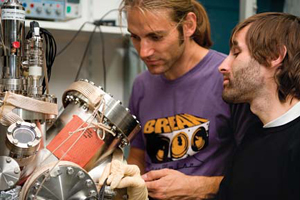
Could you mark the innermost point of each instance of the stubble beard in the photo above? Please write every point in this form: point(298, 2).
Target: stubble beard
point(244, 86)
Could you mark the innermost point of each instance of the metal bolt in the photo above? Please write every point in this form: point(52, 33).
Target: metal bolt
point(119, 135)
point(92, 83)
point(8, 160)
point(15, 141)
point(125, 143)
point(37, 186)
point(92, 193)
point(76, 101)
point(18, 123)
point(38, 136)
point(88, 183)
point(47, 178)
point(17, 170)
point(10, 183)
point(70, 170)
point(127, 109)
point(85, 107)
point(80, 175)
point(29, 144)
point(9, 131)
point(33, 125)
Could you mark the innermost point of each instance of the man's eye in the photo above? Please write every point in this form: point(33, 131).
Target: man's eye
point(134, 37)
point(156, 37)
point(235, 54)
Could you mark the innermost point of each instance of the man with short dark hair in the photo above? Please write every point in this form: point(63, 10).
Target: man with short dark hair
point(263, 69)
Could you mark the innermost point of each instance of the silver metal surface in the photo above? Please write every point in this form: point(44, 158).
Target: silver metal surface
point(13, 30)
point(9, 172)
point(122, 123)
point(65, 182)
point(23, 140)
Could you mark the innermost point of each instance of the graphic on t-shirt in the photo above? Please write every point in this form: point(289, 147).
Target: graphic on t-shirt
point(176, 137)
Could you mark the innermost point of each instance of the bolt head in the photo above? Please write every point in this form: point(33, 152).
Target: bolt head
point(92, 193)
point(80, 175)
point(10, 183)
point(33, 125)
point(29, 144)
point(17, 170)
point(70, 170)
point(88, 183)
point(15, 141)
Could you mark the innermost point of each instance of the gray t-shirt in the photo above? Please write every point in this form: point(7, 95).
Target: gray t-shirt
point(185, 123)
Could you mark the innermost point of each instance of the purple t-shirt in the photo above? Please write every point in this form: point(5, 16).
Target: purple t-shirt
point(185, 123)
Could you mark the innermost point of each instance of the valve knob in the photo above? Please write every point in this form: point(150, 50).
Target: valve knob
point(16, 44)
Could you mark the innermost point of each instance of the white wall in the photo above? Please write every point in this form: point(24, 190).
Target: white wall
point(95, 9)
point(66, 65)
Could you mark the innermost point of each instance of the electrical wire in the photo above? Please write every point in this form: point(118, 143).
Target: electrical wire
point(50, 53)
point(74, 37)
point(103, 58)
point(98, 23)
point(101, 194)
point(84, 54)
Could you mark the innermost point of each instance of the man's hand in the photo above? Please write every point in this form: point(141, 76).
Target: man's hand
point(172, 184)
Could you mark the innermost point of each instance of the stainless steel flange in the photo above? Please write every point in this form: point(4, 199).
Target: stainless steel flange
point(9, 173)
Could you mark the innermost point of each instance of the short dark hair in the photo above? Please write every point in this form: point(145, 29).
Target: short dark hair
point(267, 38)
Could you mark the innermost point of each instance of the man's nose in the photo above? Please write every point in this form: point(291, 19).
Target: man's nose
point(146, 49)
point(225, 66)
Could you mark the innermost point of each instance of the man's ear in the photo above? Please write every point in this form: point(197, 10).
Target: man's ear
point(189, 24)
point(277, 62)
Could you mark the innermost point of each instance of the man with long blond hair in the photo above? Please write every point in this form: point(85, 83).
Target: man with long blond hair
point(188, 132)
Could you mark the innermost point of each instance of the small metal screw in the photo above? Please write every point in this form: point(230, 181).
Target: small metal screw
point(32, 125)
point(80, 175)
point(17, 170)
point(92, 193)
point(29, 144)
point(9, 132)
point(10, 183)
point(15, 141)
point(38, 136)
point(8, 160)
point(88, 183)
point(37, 186)
point(70, 170)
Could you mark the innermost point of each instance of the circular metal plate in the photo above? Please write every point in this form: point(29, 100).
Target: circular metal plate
point(9, 172)
point(66, 181)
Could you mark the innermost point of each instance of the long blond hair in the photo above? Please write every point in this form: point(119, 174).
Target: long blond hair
point(179, 10)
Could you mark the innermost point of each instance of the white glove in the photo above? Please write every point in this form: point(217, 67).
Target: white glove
point(121, 175)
